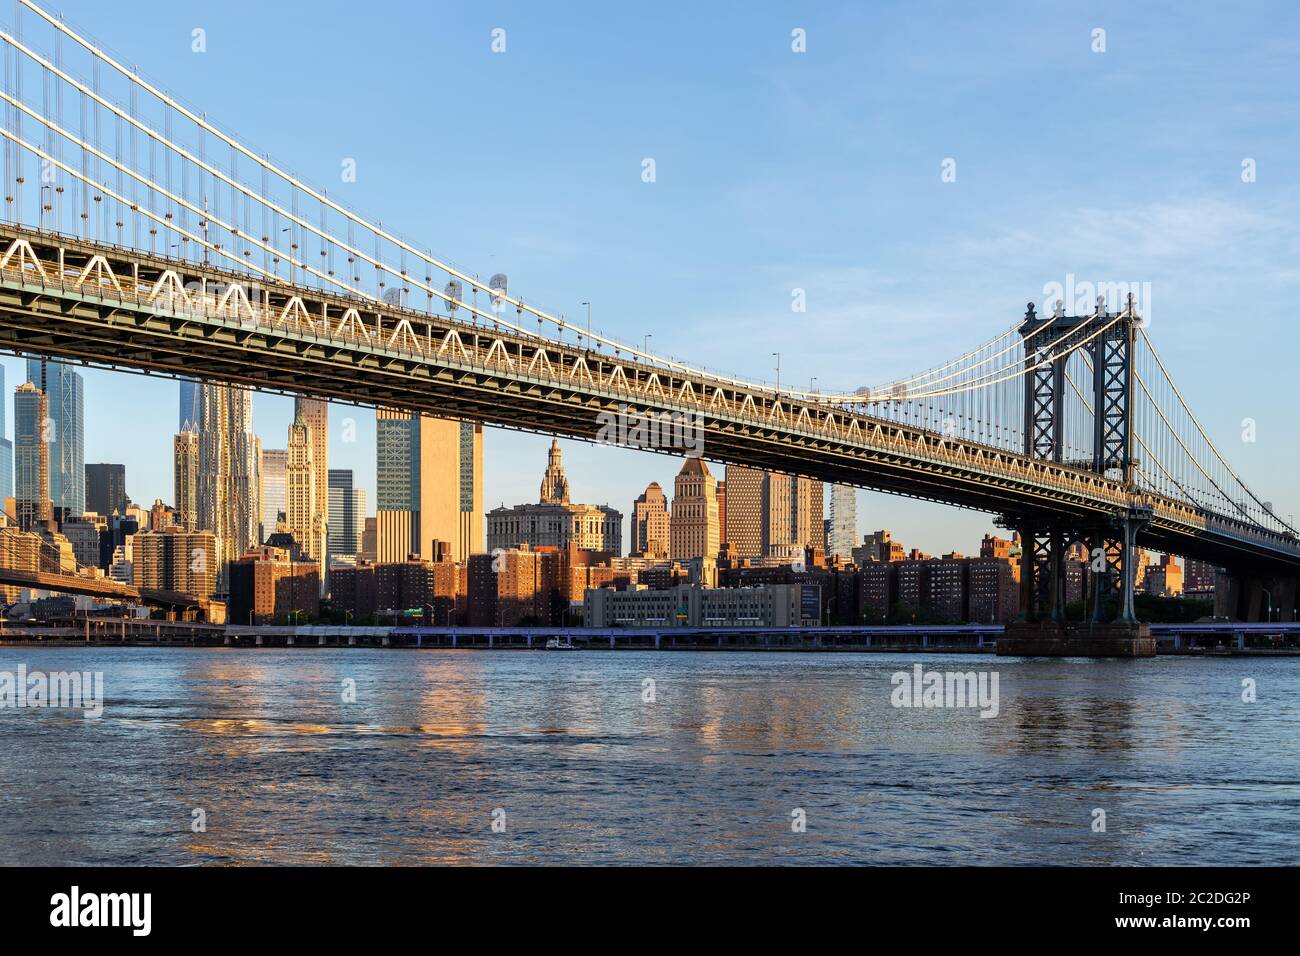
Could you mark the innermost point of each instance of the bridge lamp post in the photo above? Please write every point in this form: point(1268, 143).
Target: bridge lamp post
point(588, 305)
point(778, 372)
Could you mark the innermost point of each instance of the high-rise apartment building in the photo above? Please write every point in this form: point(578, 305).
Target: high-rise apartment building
point(304, 515)
point(651, 525)
point(693, 527)
point(773, 515)
point(106, 489)
point(31, 457)
point(347, 512)
point(429, 477)
point(176, 560)
point(745, 494)
point(229, 484)
point(268, 586)
point(843, 521)
point(65, 433)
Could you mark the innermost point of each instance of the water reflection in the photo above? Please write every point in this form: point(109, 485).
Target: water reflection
point(286, 769)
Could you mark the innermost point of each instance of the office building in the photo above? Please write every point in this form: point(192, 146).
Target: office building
point(229, 484)
point(65, 432)
point(777, 605)
point(429, 477)
point(190, 405)
point(31, 458)
point(304, 514)
point(651, 524)
point(314, 413)
point(693, 527)
point(369, 540)
point(275, 501)
point(555, 521)
point(347, 512)
point(106, 489)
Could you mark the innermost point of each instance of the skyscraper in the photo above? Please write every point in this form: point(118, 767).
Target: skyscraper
point(773, 515)
point(314, 413)
point(64, 394)
point(229, 486)
point(745, 492)
point(347, 512)
point(31, 457)
point(844, 521)
point(274, 472)
point(651, 526)
point(185, 479)
point(304, 517)
point(190, 405)
point(106, 488)
point(429, 477)
point(694, 523)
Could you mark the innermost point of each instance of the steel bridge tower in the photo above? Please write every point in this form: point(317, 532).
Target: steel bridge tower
point(1108, 343)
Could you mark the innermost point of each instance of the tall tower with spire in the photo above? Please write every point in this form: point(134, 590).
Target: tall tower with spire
point(555, 487)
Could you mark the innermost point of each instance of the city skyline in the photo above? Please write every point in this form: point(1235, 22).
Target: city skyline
point(1175, 212)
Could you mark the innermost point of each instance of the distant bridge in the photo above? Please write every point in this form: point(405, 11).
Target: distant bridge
point(105, 588)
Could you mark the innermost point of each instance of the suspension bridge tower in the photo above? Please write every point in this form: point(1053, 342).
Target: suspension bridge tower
point(1105, 344)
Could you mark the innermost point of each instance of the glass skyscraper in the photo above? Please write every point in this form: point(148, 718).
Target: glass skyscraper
point(275, 500)
point(347, 507)
point(189, 408)
point(63, 389)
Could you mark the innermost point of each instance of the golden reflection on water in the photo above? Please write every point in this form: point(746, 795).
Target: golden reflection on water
point(288, 772)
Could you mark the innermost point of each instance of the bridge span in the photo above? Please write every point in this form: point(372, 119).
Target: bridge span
point(156, 257)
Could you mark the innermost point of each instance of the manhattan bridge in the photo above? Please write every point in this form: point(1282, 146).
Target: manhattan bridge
point(139, 235)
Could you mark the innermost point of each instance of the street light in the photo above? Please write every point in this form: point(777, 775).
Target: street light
point(588, 305)
point(778, 372)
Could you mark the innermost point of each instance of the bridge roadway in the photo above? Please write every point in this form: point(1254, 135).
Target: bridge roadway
point(102, 588)
point(99, 304)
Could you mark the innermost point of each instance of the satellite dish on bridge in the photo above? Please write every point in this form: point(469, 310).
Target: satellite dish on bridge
point(497, 285)
point(453, 292)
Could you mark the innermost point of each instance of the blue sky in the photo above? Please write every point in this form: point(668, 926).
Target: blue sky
point(777, 170)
